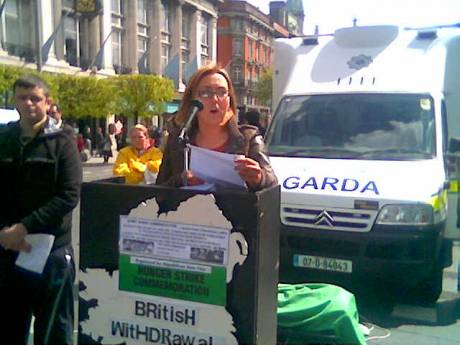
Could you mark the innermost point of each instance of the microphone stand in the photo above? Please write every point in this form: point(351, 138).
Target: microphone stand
point(196, 106)
point(185, 141)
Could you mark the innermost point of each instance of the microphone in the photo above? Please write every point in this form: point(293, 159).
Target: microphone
point(195, 107)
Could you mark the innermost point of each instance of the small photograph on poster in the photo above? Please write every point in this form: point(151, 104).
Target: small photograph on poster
point(207, 255)
point(137, 246)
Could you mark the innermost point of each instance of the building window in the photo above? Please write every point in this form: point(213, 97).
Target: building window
point(116, 47)
point(118, 34)
point(71, 47)
point(205, 27)
point(237, 76)
point(142, 12)
point(141, 47)
point(250, 49)
point(116, 7)
point(186, 24)
point(165, 34)
point(165, 52)
point(237, 47)
point(12, 28)
point(142, 35)
point(237, 24)
point(185, 41)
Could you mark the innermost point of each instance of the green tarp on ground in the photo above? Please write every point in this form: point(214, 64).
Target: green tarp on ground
point(317, 314)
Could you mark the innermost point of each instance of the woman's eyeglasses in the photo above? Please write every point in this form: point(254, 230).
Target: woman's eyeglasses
point(208, 93)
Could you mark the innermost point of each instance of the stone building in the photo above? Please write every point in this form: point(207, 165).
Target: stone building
point(245, 41)
point(107, 37)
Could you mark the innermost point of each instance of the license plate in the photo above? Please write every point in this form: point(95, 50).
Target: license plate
point(322, 263)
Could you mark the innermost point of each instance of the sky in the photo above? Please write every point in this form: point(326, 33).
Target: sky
point(332, 14)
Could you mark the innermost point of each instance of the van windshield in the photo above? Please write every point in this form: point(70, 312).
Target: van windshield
point(354, 126)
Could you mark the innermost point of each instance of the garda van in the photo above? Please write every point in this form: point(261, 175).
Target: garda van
point(359, 142)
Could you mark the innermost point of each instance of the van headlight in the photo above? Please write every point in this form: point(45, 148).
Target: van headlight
point(406, 214)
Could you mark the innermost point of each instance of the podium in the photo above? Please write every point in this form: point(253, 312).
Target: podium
point(163, 265)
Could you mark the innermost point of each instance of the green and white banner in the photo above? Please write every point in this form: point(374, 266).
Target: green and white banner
point(174, 260)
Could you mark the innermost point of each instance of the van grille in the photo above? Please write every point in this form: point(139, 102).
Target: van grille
point(328, 218)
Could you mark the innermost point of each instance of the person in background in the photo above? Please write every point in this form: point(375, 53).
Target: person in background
point(80, 142)
point(109, 144)
point(139, 158)
point(155, 136)
point(167, 127)
point(252, 117)
point(87, 136)
point(215, 128)
point(56, 113)
point(99, 141)
point(40, 178)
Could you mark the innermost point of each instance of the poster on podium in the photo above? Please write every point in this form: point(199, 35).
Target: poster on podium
point(181, 276)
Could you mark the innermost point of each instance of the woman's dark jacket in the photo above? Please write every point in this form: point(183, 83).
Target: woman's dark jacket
point(40, 181)
point(243, 140)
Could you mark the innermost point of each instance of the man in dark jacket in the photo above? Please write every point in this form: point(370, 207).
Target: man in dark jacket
point(40, 179)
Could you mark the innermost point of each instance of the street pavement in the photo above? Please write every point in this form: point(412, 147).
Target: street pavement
point(389, 322)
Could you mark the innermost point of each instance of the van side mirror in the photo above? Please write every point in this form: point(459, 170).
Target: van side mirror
point(454, 145)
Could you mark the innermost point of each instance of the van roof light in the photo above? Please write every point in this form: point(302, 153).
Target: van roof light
point(310, 41)
point(427, 34)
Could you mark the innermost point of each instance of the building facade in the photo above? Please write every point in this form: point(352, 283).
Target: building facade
point(245, 41)
point(106, 37)
point(289, 14)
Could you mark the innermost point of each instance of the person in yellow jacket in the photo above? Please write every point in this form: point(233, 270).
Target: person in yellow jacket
point(138, 159)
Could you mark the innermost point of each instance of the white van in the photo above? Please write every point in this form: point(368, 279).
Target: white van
point(359, 143)
point(8, 115)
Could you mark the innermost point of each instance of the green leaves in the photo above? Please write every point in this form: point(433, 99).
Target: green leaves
point(86, 96)
point(141, 95)
point(136, 95)
point(264, 87)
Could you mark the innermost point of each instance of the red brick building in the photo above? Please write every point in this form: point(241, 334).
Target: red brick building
point(244, 46)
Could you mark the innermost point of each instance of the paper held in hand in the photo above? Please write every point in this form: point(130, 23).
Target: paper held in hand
point(36, 259)
point(215, 167)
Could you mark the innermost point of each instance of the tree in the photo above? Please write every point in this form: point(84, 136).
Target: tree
point(136, 95)
point(264, 87)
point(141, 95)
point(9, 74)
point(7, 77)
point(86, 96)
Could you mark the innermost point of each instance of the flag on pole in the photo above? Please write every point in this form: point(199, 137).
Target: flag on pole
point(49, 42)
point(2, 7)
point(99, 57)
point(190, 68)
point(142, 63)
point(172, 69)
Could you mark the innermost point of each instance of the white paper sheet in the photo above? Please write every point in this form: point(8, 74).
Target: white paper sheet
point(35, 260)
point(215, 167)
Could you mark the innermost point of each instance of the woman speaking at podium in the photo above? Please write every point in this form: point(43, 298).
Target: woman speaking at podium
point(207, 119)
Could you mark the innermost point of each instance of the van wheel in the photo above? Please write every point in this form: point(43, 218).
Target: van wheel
point(428, 291)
